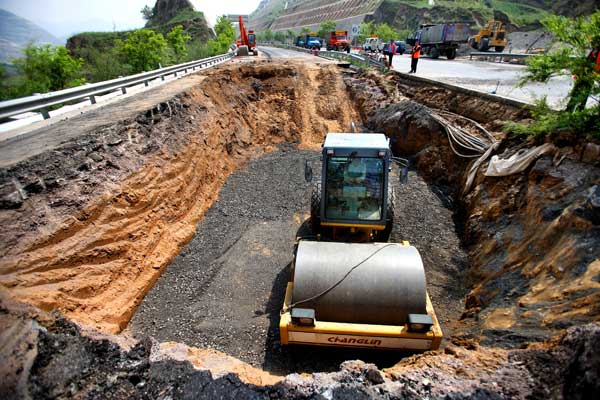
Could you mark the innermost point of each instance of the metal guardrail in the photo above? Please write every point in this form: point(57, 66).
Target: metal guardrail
point(42, 102)
point(495, 55)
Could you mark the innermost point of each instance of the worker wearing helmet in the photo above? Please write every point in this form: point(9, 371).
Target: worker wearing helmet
point(414, 57)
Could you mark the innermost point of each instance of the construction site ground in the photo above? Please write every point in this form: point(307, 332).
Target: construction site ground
point(146, 245)
point(225, 290)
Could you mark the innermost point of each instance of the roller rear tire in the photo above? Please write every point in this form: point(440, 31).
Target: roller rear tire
point(315, 209)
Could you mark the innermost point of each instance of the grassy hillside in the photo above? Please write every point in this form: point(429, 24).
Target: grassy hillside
point(408, 14)
point(518, 14)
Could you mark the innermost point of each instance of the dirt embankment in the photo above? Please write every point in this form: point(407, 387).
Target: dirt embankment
point(45, 356)
point(533, 238)
point(110, 210)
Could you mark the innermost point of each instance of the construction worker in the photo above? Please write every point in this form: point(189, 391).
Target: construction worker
point(414, 57)
point(391, 50)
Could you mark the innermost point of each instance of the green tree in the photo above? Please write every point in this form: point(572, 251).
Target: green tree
point(385, 32)
point(571, 58)
point(267, 35)
point(367, 29)
point(305, 30)
point(102, 65)
point(46, 68)
point(225, 36)
point(327, 26)
point(143, 49)
point(177, 41)
point(279, 37)
point(290, 34)
point(147, 12)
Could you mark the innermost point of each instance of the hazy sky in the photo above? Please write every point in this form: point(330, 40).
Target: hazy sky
point(65, 17)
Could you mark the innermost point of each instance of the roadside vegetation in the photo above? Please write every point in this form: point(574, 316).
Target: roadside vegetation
point(108, 55)
point(575, 57)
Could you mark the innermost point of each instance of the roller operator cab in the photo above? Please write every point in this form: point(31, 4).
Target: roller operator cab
point(352, 201)
point(349, 287)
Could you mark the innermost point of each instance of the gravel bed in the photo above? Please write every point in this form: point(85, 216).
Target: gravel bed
point(226, 288)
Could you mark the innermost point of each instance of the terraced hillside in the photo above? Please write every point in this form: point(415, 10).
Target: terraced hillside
point(279, 15)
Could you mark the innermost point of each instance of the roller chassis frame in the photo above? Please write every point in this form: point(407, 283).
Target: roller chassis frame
point(340, 334)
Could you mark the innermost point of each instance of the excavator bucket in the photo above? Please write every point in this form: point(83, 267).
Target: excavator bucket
point(243, 51)
point(369, 295)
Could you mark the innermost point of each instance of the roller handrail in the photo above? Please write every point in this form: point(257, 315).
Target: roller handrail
point(43, 101)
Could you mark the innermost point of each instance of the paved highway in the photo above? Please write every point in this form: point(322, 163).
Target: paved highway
point(275, 52)
point(487, 77)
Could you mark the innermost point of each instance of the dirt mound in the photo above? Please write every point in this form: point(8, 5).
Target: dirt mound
point(100, 262)
point(45, 356)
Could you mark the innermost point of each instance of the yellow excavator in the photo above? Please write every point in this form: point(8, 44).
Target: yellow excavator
point(349, 286)
point(491, 35)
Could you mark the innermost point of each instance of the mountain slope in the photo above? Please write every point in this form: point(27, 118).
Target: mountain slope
point(16, 33)
point(408, 14)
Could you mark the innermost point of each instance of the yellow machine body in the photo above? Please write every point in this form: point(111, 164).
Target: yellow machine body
point(350, 287)
point(343, 334)
point(491, 35)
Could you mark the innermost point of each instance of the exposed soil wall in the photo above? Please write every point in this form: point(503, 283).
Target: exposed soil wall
point(159, 172)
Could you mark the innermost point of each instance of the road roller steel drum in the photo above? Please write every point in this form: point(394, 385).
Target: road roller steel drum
point(384, 289)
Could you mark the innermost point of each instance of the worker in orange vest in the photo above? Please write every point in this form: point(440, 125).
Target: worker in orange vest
point(414, 57)
point(391, 48)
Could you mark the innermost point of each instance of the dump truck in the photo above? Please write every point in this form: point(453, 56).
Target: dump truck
point(491, 35)
point(337, 40)
point(349, 286)
point(311, 41)
point(246, 43)
point(440, 39)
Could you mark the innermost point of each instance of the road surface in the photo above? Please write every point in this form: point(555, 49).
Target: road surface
point(487, 77)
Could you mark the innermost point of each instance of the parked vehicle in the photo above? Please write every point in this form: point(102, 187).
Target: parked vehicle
point(337, 40)
point(371, 44)
point(374, 44)
point(400, 47)
point(440, 39)
point(312, 41)
point(299, 41)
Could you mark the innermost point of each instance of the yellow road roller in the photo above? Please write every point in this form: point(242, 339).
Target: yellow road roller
point(349, 286)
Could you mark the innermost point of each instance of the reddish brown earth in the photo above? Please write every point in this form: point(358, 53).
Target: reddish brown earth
point(97, 264)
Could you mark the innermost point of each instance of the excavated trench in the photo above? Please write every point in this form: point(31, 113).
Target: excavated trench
point(179, 224)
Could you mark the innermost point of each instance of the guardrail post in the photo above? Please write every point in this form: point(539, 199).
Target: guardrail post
point(146, 83)
point(162, 78)
point(124, 90)
point(45, 113)
point(175, 73)
point(93, 99)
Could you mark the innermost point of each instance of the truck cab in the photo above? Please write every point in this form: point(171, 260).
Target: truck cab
point(312, 41)
point(337, 40)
